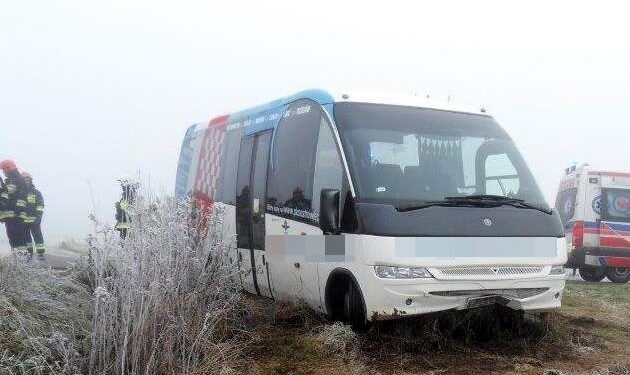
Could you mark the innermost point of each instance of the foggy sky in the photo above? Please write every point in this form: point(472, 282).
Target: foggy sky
point(92, 90)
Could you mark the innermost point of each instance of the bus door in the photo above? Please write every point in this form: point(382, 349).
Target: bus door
point(251, 186)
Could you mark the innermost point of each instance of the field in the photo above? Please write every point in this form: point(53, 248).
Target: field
point(44, 329)
point(590, 335)
point(165, 301)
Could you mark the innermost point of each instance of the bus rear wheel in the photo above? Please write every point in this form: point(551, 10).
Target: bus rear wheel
point(618, 275)
point(593, 274)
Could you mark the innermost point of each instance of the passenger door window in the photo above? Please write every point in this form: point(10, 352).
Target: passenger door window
point(243, 194)
point(259, 182)
point(501, 177)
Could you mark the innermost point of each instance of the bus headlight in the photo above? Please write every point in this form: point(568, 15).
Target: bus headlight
point(391, 272)
point(557, 270)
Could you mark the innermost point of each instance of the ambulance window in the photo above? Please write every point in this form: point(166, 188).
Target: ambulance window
point(617, 202)
point(501, 176)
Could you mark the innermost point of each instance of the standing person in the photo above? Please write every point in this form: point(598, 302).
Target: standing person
point(14, 212)
point(34, 213)
point(129, 189)
point(3, 201)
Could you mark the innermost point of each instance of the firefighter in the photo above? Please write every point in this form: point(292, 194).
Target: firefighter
point(14, 211)
point(34, 213)
point(3, 201)
point(129, 189)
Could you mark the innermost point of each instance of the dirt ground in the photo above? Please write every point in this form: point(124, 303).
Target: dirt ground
point(589, 335)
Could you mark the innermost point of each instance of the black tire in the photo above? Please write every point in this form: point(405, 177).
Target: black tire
point(593, 274)
point(618, 275)
point(353, 310)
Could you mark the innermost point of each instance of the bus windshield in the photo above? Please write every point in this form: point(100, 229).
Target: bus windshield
point(405, 155)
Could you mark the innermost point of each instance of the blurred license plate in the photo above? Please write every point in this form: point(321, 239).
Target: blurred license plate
point(483, 301)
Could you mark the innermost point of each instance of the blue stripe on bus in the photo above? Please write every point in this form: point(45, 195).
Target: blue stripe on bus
point(320, 96)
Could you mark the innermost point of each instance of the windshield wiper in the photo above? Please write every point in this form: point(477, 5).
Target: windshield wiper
point(475, 201)
point(500, 200)
point(447, 203)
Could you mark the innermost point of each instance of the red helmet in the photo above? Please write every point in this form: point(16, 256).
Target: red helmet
point(26, 175)
point(7, 165)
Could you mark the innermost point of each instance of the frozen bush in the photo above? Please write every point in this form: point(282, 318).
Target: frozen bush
point(166, 300)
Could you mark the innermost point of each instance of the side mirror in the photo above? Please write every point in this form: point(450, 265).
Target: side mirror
point(329, 211)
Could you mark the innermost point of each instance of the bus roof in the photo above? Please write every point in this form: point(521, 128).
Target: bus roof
point(324, 97)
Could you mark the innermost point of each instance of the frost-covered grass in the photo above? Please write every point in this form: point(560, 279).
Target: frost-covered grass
point(163, 301)
point(44, 325)
point(166, 300)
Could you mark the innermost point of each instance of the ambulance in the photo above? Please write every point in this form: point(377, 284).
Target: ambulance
point(594, 206)
point(374, 206)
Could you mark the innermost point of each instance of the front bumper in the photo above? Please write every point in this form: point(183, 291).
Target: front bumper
point(389, 298)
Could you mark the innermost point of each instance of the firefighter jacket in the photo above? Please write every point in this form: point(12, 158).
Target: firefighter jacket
point(13, 198)
point(122, 214)
point(3, 200)
point(34, 204)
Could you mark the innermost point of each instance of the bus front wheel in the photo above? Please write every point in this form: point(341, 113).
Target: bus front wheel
point(353, 310)
point(618, 275)
point(593, 274)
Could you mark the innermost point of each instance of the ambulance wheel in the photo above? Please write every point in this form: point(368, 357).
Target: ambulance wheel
point(353, 310)
point(618, 275)
point(593, 274)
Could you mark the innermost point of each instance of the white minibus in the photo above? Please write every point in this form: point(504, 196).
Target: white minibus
point(370, 207)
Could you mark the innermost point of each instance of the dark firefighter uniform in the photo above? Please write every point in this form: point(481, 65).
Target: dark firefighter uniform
point(14, 210)
point(123, 218)
point(3, 201)
point(33, 216)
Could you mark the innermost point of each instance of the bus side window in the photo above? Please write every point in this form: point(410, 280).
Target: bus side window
point(227, 184)
point(290, 185)
point(328, 169)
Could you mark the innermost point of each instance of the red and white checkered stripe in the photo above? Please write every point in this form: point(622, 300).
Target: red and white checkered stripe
point(209, 165)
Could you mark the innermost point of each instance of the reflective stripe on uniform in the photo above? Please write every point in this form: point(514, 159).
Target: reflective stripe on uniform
point(41, 249)
point(122, 226)
point(7, 214)
point(27, 219)
point(124, 205)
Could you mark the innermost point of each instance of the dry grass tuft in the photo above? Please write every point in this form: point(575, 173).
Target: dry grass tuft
point(338, 339)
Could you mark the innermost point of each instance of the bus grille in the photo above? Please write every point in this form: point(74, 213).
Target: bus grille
point(499, 272)
point(513, 293)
